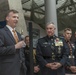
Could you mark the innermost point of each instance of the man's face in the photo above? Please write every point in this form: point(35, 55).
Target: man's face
point(27, 41)
point(75, 34)
point(50, 29)
point(12, 19)
point(67, 35)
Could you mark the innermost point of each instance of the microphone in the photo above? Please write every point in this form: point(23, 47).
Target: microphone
point(23, 38)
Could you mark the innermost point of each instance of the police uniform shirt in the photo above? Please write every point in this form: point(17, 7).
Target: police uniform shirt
point(71, 61)
point(51, 49)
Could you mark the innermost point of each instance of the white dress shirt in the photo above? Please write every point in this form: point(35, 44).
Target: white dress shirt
point(11, 29)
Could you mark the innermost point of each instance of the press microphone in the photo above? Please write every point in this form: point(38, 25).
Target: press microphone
point(23, 38)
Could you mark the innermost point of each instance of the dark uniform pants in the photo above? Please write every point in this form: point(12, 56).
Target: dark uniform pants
point(47, 71)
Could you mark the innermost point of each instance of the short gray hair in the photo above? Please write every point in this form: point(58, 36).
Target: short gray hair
point(49, 24)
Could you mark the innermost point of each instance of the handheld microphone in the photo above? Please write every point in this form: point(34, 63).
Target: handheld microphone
point(23, 38)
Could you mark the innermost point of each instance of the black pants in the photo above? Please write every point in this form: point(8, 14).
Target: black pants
point(23, 69)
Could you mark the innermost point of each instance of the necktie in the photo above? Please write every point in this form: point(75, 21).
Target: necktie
point(71, 54)
point(70, 48)
point(15, 36)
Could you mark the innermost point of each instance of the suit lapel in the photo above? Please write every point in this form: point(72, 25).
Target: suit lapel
point(9, 34)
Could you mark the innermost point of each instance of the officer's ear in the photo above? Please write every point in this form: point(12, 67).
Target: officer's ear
point(7, 18)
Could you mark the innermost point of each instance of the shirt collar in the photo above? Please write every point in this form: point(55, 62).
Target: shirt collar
point(51, 37)
point(10, 28)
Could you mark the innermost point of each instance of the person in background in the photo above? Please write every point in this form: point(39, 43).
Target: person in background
point(71, 61)
point(27, 55)
point(74, 37)
point(51, 53)
point(12, 61)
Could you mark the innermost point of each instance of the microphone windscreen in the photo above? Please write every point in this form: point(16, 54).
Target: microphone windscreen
point(22, 37)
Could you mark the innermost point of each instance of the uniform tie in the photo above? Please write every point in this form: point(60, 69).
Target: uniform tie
point(71, 53)
point(70, 48)
point(15, 36)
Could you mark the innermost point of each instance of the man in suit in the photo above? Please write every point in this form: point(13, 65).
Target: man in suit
point(12, 61)
point(51, 53)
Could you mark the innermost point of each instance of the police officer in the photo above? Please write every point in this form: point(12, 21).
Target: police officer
point(51, 53)
point(27, 55)
point(71, 62)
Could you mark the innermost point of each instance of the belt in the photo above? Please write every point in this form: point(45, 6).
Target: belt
point(47, 57)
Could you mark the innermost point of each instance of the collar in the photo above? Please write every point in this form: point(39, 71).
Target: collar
point(10, 28)
point(51, 37)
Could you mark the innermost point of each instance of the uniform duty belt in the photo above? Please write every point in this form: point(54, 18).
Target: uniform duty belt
point(47, 57)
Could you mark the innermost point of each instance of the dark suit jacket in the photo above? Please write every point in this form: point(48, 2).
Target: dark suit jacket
point(10, 58)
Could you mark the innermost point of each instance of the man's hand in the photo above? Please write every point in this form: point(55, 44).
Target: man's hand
point(49, 65)
point(56, 65)
point(20, 45)
point(36, 69)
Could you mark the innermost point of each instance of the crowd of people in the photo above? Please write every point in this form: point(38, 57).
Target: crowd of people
point(54, 55)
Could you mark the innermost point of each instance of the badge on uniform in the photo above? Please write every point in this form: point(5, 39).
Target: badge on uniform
point(58, 42)
point(53, 56)
point(45, 44)
point(59, 49)
point(71, 56)
point(52, 46)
